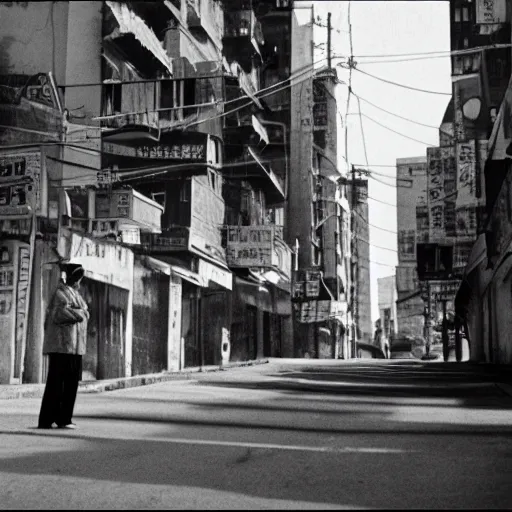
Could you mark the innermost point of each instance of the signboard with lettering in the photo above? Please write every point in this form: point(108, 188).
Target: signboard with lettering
point(250, 246)
point(131, 207)
point(459, 130)
point(22, 304)
point(466, 173)
point(491, 11)
point(306, 284)
point(171, 239)
point(320, 311)
point(435, 193)
point(20, 183)
point(181, 151)
point(407, 245)
point(103, 261)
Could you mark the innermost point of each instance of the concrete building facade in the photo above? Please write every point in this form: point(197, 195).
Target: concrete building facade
point(412, 228)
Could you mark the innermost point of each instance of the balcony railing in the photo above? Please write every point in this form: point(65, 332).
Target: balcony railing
point(258, 247)
point(160, 104)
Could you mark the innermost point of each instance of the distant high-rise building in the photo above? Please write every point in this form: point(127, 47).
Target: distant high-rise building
point(412, 227)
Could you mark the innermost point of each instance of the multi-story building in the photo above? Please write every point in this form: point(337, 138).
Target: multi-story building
point(483, 299)
point(412, 227)
point(457, 196)
point(160, 152)
point(256, 169)
point(51, 160)
point(387, 300)
point(314, 205)
point(360, 287)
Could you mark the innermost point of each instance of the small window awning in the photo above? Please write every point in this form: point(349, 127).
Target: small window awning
point(130, 23)
point(167, 269)
point(254, 167)
point(189, 276)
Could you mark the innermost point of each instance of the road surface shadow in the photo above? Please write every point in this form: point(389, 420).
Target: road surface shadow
point(397, 479)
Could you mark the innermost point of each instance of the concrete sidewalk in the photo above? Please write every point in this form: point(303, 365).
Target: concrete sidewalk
point(13, 391)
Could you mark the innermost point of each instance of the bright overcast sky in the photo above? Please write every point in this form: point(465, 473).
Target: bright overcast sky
point(387, 28)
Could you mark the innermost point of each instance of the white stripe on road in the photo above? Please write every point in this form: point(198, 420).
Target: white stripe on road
point(270, 446)
point(234, 444)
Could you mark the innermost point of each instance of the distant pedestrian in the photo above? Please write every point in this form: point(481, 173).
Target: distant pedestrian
point(65, 342)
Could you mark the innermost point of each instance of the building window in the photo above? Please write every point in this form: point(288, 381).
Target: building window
point(244, 28)
point(159, 197)
point(175, 94)
point(465, 14)
point(457, 15)
point(185, 192)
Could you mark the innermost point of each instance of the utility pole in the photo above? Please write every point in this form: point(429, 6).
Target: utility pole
point(329, 40)
point(444, 335)
point(427, 320)
point(354, 261)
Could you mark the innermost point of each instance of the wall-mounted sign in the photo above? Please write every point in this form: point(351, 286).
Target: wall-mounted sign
point(22, 297)
point(320, 311)
point(491, 11)
point(441, 172)
point(20, 183)
point(407, 245)
point(466, 173)
point(250, 246)
point(306, 284)
point(182, 151)
point(174, 239)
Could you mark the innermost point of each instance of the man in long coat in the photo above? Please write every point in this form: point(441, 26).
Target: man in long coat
point(65, 343)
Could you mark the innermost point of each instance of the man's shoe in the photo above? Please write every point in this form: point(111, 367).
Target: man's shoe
point(69, 426)
point(46, 427)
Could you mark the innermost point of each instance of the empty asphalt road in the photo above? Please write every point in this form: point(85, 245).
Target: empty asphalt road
point(286, 435)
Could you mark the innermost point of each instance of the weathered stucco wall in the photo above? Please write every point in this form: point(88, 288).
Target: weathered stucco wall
point(301, 138)
point(33, 38)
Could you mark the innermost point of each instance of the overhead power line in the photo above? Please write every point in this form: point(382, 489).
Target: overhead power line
point(397, 84)
point(397, 132)
point(374, 226)
point(377, 246)
point(396, 115)
point(464, 51)
point(377, 262)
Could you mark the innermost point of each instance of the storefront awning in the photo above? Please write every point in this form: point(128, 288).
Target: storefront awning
point(189, 276)
point(166, 268)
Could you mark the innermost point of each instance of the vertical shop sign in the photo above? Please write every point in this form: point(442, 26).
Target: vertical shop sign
point(435, 193)
point(466, 173)
point(174, 355)
point(21, 305)
point(458, 124)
